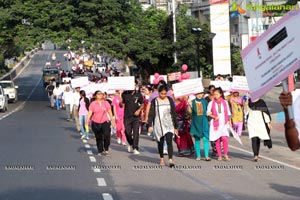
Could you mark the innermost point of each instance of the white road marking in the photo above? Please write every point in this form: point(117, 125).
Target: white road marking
point(107, 196)
point(92, 159)
point(89, 152)
point(97, 170)
point(87, 146)
point(266, 158)
point(101, 182)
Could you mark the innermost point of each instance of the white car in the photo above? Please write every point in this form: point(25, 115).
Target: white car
point(3, 100)
point(10, 90)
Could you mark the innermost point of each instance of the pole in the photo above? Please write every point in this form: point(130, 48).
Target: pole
point(174, 29)
point(286, 89)
point(198, 53)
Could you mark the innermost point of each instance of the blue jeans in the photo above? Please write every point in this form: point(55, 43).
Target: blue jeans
point(82, 120)
point(58, 103)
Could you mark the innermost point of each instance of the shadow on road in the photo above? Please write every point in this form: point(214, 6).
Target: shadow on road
point(292, 191)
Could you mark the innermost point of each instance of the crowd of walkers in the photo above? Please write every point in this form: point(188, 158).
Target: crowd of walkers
point(153, 110)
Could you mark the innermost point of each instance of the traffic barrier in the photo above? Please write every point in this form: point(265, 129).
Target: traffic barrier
point(19, 66)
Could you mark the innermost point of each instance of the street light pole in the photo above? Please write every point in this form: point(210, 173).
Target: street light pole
point(198, 53)
point(197, 31)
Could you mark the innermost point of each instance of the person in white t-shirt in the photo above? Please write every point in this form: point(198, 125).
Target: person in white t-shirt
point(67, 102)
point(292, 127)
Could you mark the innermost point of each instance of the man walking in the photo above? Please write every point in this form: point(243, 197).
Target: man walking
point(133, 102)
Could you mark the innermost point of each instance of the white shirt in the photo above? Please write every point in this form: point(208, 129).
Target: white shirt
point(223, 127)
point(68, 97)
point(57, 91)
point(296, 109)
point(76, 97)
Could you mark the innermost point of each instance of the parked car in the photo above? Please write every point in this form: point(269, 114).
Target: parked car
point(10, 90)
point(3, 100)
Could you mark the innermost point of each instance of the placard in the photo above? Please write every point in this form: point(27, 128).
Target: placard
point(79, 82)
point(121, 83)
point(225, 85)
point(165, 77)
point(67, 79)
point(187, 87)
point(174, 76)
point(239, 84)
point(273, 56)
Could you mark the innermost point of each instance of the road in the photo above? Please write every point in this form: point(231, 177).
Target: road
point(43, 158)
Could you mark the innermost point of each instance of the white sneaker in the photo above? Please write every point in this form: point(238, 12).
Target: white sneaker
point(165, 152)
point(136, 152)
point(119, 141)
point(149, 134)
point(82, 137)
point(129, 148)
point(124, 144)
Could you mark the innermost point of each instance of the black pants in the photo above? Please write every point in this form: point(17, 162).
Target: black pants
point(255, 145)
point(169, 138)
point(102, 134)
point(132, 126)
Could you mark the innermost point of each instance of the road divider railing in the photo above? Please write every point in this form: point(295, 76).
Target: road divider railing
point(19, 66)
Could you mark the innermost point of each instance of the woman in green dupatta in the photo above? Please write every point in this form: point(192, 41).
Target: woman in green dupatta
point(199, 125)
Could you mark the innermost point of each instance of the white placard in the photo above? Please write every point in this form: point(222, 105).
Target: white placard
point(187, 87)
point(165, 78)
point(273, 56)
point(93, 87)
point(67, 79)
point(239, 84)
point(121, 83)
point(79, 82)
point(225, 85)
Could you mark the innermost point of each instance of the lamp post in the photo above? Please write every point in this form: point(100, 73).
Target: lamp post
point(198, 31)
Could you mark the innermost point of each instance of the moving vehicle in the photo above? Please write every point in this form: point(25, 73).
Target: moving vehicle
point(3, 101)
point(10, 90)
point(50, 74)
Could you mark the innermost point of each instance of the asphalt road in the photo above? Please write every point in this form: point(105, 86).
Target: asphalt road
point(43, 158)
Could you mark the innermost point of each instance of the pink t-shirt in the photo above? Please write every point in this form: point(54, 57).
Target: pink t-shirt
point(119, 110)
point(82, 108)
point(100, 111)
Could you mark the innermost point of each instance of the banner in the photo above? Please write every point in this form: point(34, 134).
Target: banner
point(225, 85)
point(79, 82)
point(239, 84)
point(219, 25)
point(121, 83)
point(174, 76)
point(273, 56)
point(187, 87)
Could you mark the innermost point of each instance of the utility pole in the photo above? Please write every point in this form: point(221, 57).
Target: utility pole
point(174, 29)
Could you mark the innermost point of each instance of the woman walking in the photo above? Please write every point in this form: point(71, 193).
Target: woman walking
point(101, 119)
point(199, 125)
point(184, 142)
point(259, 124)
point(119, 117)
point(236, 103)
point(83, 110)
point(162, 116)
point(219, 111)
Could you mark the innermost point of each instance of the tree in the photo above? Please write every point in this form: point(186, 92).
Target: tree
point(236, 61)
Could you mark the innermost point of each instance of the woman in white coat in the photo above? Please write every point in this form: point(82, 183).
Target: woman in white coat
point(259, 124)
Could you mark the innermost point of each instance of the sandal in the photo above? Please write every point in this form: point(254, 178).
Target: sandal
point(171, 164)
point(220, 159)
point(162, 162)
point(226, 158)
point(207, 159)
